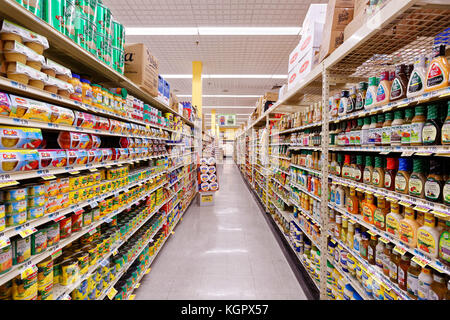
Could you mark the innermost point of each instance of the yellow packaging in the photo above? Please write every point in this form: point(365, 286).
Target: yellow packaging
point(45, 272)
point(6, 291)
point(2, 217)
point(69, 272)
point(45, 292)
point(25, 289)
point(74, 182)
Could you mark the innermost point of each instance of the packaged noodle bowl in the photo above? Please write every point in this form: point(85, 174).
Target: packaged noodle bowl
point(25, 289)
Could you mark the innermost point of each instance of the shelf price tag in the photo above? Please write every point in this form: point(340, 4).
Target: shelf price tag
point(384, 240)
point(400, 250)
point(407, 153)
point(48, 176)
point(107, 166)
point(8, 183)
point(421, 262)
point(148, 270)
point(93, 169)
point(4, 242)
point(112, 293)
point(114, 252)
point(132, 297)
point(137, 285)
point(74, 172)
point(440, 214)
point(93, 204)
point(56, 254)
point(422, 209)
point(405, 204)
point(26, 232)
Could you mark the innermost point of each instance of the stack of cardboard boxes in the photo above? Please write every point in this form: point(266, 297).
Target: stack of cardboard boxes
point(264, 103)
point(304, 57)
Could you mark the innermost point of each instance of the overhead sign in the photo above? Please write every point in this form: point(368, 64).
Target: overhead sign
point(226, 120)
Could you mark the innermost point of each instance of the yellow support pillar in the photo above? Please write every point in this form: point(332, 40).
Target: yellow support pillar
point(197, 67)
point(213, 121)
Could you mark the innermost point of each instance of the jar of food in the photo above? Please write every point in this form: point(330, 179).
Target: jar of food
point(97, 96)
point(86, 91)
point(77, 90)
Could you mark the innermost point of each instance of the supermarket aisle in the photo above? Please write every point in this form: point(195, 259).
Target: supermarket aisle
point(222, 252)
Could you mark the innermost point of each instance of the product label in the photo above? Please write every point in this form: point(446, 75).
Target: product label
point(444, 246)
point(376, 178)
point(401, 277)
point(400, 183)
point(406, 134)
point(432, 295)
point(416, 132)
point(357, 138)
point(396, 135)
point(393, 271)
point(364, 136)
point(415, 83)
point(369, 99)
point(446, 133)
point(379, 219)
point(379, 259)
point(396, 89)
point(332, 196)
point(356, 245)
point(429, 134)
point(406, 233)
point(367, 214)
point(367, 178)
point(350, 206)
point(432, 189)
point(386, 136)
point(346, 172)
point(370, 253)
point(392, 225)
point(423, 289)
point(363, 251)
point(357, 174)
point(338, 198)
point(5, 256)
point(338, 171)
point(435, 75)
point(377, 135)
point(387, 180)
point(415, 186)
point(446, 193)
point(426, 242)
point(381, 93)
point(412, 281)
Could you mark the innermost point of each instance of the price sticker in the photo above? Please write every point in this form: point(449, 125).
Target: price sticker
point(391, 199)
point(405, 204)
point(114, 252)
point(384, 240)
point(407, 153)
point(119, 164)
point(59, 217)
point(8, 183)
point(424, 154)
point(4, 242)
point(440, 214)
point(137, 285)
point(74, 172)
point(108, 166)
point(422, 209)
point(112, 293)
point(421, 262)
point(27, 232)
point(371, 233)
point(132, 297)
point(78, 212)
point(148, 270)
point(400, 250)
point(93, 170)
point(92, 231)
point(444, 95)
point(66, 297)
point(5, 177)
point(28, 271)
point(48, 177)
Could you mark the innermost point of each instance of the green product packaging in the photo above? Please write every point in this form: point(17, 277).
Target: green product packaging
point(91, 31)
point(118, 59)
point(100, 18)
point(34, 6)
point(53, 14)
point(81, 31)
point(69, 18)
point(118, 35)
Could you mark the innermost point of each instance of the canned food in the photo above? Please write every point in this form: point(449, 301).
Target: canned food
point(34, 213)
point(45, 272)
point(36, 201)
point(36, 190)
point(69, 272)
point(15, 219)
point(13, 207)
point(21, 249)
point(77, 222)
point(6, 260)
point(39, 241)
point(53, 234)
point(14, 194)
point(65, 227)
point(45, 292)
point(25, 289)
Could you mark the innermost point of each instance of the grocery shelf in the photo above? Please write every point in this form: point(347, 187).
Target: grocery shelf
point(441, 210)
point(353, 282)
point(279, 183)
point(12, 231)
point(61, 292)
point(21, 175)
point(282, 198)
point(314, 242)
point(434, 263)
point(275, 170)
point(407, 150)
point(300, 147)
point(307, 169)
point(264, 188)
point(300, 128)
point(304, 190)
point(306, 213)
point(374, 271)
point(278, 157)
point(63, 50)
point(285, 214)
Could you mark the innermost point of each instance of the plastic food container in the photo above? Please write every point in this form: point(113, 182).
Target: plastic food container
point(30, 109)
point(14, 194)
point(52, 158)
point(26, 75)
point(18, 160)
point(60, 115)
point(76, 84)
point(35, 189)
point(73, 140)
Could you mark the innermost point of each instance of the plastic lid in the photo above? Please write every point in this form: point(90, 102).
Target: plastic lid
point(439, 50)
point(388, 116)
point(409, 113)
point(378, 162)
point(391, 163)
point(345, 94)
point(367, 119)
point(373, 81)
point(400, 68)
point(419, 111)
point(74, 75)
point(384, 75)
point(418, 165)
point(359, 159)
point(85, 81)
point(369, 161)
point(347, 159)
point(398, 114)
point(362, 85)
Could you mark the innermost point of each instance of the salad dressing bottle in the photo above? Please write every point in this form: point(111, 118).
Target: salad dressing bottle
point(402, 176)
point(378, 173)
point(408, 228)
point(368, 170)
point(399, 84)
point(417, 179)
point(446, 127)
point(369, 208)
point(382, 210)
point(416, 84)
point(431, 132)
point(361, 96)
point(393, 219)
point(435, 183)
point(406, 127)
point(428, 237)
point(438, 71)
point(371, 94)
point(384, 89)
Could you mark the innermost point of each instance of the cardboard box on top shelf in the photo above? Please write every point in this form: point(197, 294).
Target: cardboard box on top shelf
point(141, 67)
point(302, 68)
point(316, 13)
point(359, 17)
point(338, 17)
point(282, 92)
point(271, 96)
point(294, 57)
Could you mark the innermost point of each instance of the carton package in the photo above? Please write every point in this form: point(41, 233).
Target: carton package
point(316, 13)
point(302, 69)
point(282, 92)
point(141, 67)
point(160, 88)
point(360, 16)
point(271, 96)
point(338, 17)
point(294, 57)
point(311, 38)
point(166, 92)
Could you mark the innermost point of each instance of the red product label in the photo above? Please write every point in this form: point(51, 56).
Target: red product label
point(304, 66)
point(294, 58)
point(292, 78)
point(306, 43)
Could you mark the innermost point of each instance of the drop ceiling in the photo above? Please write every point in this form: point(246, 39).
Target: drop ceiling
point(219, 54)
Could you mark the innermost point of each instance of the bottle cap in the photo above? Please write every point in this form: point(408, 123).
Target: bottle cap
point(369, 161)
point(409, 113)
point(359, 159)
point(361, 121)
point(340, 157)
point(373, 81)
point(378, 162)
point(389, 116)
point(439, 50)
point(362, 86)
point(418, 165)
point(373, 119)
point(347, 159)
point(384, 75)
point(404, 164)
point(85, 81)
point(435, 166)
point(345, 94)
point(419, 110)
point(398, 114)
point(391, 164)
point(432, 112)
point(380, 117)
point(400, 69)
point(367, 119)
point(353, 159)
point(74, 75)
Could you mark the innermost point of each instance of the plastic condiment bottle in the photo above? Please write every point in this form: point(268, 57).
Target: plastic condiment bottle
point(408, 228)
point(434, 184)
point(352, 202)
point(417, 124)
point(350, 234)
point(379, 218)
point(361, 95)
point(423, 286)
point(357, 239)
point(384, 89)
point(406, 127)
point(378, 173)
point(438, 71)
point(399, 84)
point(364, 245)
point(431, 131)
point(371, 94)
point(417, 179)
point(340, 196)
point(365, 132)
point(351, 100)
point(87, 91)
point(344, 102)
point(346, 169)
point(340, 159)
point(402, 176)
point(394, 263)
point(379, 129)
point(379, 254)
point(371, 249)
point(368, 170)
point(358, 171)
point(445, 136)
point(390, 173)
point(438, 288)
point(428, 236)
point(357, 132)
point(353, 167)
point(403, 271)
point(372, 130)
point(333, 163)
point(78, 91)
point(396, 130)
point(416, 84)
point(393, 219)
point(444, 245)
point(412, 279)
point(387, 128)
point(387, 259)
point(368, 208)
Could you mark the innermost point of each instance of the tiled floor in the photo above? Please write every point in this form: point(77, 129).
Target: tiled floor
point(222, 252)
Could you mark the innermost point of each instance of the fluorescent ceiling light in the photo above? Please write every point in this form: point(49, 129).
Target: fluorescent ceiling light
point(227, 107)
point(222, 95)
point(214, 31)
point(227, 76)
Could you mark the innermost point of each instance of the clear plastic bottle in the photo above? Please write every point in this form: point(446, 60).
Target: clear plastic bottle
point(416, 83)
point(423, 286)
point(371, 93)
